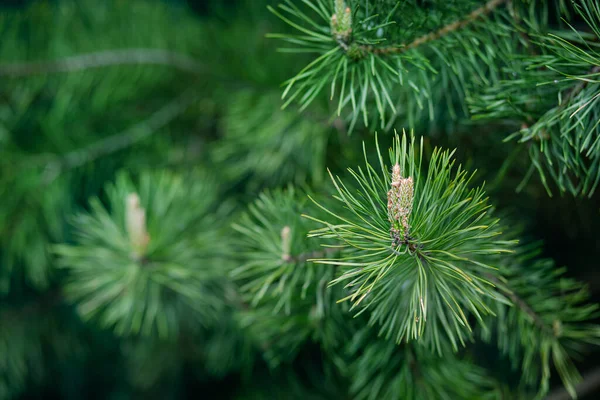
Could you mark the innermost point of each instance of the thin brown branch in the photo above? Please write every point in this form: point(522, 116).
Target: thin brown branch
point(522, 33)
point(521, 304)
point(132, 56)
point(432, 36)
point(590, 383)
point(310, 255)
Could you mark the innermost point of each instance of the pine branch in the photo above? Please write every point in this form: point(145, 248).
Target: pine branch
point(274, 251)
point(159, 259)
point(352, 60)
point(432, 36)
point(552, 99)
point(132, 56)
point(119, 141)
point(549, 323)
point(420, 237)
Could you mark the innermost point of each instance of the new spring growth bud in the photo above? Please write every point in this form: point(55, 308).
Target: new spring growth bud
point(557, 328)
point(286, 243)
point(400, 202)
point(135, 217)
point(341, 21)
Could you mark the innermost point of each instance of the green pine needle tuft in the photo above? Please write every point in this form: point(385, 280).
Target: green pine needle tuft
point(141, 269)
point(424, 285)
point(286, 298)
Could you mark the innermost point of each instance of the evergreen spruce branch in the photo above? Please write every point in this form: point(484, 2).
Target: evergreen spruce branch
point(105, 58)
point(487, 8)
point(432, 258)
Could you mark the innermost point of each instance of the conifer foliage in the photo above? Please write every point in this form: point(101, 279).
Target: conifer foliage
point(260, 199)
point(427, 242)
point(144, 264)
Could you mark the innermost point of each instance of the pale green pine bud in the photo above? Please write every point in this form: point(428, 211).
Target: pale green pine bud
point(346, 20)
point(340, 6)
point(286, 243)
point(136, 226)
point(396, 175)
point(400, 200)
point(406, 190)
point(341, 21)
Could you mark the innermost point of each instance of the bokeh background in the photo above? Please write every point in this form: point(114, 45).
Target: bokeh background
point(66, 131)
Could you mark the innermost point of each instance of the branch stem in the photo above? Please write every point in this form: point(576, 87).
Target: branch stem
point(521, 304)
point(432, 36)
point(302, 257)
point(131, 56)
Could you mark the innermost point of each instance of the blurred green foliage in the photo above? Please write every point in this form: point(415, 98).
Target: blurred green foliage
point(180, 103)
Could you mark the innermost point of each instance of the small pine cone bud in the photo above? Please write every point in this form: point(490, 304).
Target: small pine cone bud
point(392, 201)
point(557, 328)
point(136, 226)
point(341, 21)
point(339, 6)
point(396, 175)
point(400, 199)
point(405, 202)
point(347, 20)
point(286, 243)
point(334, 23)
point(406, 195)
